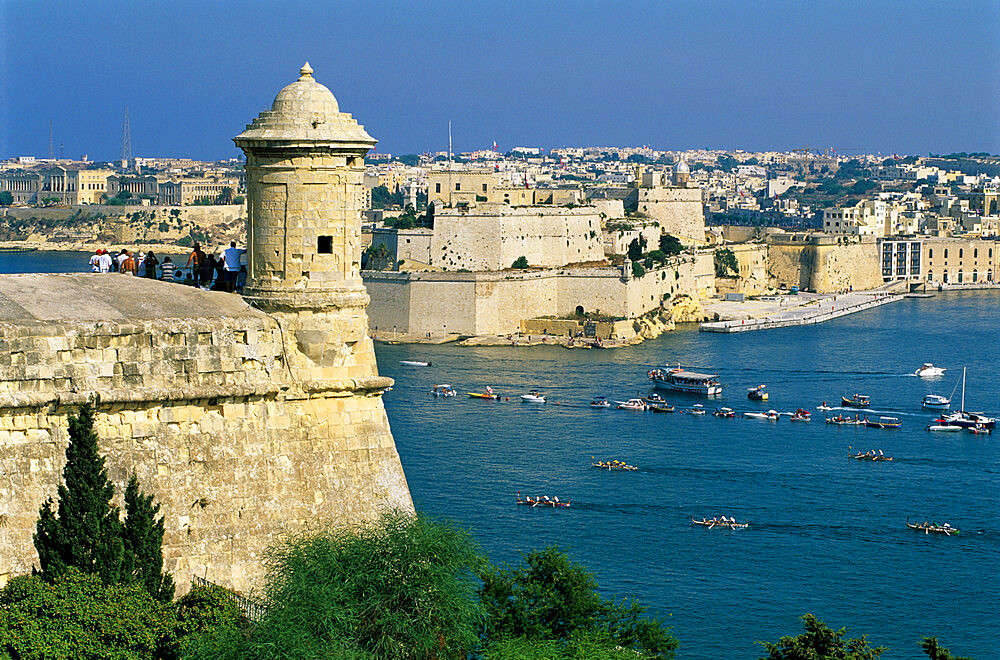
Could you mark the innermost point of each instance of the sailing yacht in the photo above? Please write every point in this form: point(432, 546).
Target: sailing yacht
point(968, 419)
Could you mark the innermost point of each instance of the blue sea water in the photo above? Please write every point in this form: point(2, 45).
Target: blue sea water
point(827, 533)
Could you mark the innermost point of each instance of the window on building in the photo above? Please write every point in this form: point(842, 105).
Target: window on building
point(930, 253)
point(437, 187)
point(458, 186)
point(324, 244)
point(975, 253)
point(946, 253)
point(484, 187)
point(960, 251)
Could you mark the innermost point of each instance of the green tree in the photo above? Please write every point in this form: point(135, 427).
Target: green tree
point(819, 642)
point(402, 587)
point(225, 196)
point(936, 652)
point(408, 159)
point(78, 616)
point(725, 263)
point(549, 597)
point(6, 198)
point(84, 531)
point(638, 270)
point(142, 537)
point(381, 197)
point(581, 645)
point(670, 245)
point(521, 262)
point(636, 248)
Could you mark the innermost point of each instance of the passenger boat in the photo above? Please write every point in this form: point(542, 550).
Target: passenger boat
point(883, 423)
point(720, 521)
point(541, 501)
point(632, 404)
point(928, 370)
point(685, 381)
point(443, 390)
point(661, 408)
point(842, 420)
point(613, 464)
point(534, 396)
point(415, 363)
point(944, 427)
point(870, 456)
point(600, 402)
point(931, 528)
point(696, 409)
point(936, 401)
point(724, 412)
point(757, 393)
point(856, 401)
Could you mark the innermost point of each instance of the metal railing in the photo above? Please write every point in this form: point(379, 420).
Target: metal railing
point(252, 609)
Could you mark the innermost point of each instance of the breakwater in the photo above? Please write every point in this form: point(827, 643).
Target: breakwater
point(824, 310)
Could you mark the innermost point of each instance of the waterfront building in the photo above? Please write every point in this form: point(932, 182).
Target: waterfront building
point(956, 261)
point(901, 259)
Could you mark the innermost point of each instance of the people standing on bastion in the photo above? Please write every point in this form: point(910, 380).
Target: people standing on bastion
point(167, 269)
point(104, 264)
point(151, 263)
point(207, 271)
point(126, 264)
point(231, 258)
point(95, 262)
point(197, 258)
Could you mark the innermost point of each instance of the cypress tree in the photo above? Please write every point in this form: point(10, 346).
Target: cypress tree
point(84, 531)
point(143, 540)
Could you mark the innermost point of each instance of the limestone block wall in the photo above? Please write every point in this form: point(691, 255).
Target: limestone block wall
point(824, 268)
point(239, 449)
point(491, 237)
point(678, 210)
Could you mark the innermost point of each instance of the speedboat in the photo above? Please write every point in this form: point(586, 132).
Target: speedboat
point(600, 402)
point(824, 407)
point(757, 393)
point(534, 396)
point(856, 401)
point(632, 404)
point(928, 370)
point(724, 412)
point(936, 401)
point(770, 414)
point(801, 415)
point(943, 427)
point(443, 390)
point(415, 363)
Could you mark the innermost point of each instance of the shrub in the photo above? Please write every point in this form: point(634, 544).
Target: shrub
point(819, 641)
point(520, 262)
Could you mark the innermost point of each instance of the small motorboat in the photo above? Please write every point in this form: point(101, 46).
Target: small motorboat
point(724, 412)
point(661, 408)
point(541, 501)
point(443, 390)
point(655, 399)
point(720, 521)
point(771, 415)
point(936, 401)
point(928, 370)
point(979, 430)
point(801, 415)
point(856, 401)
point(415, 363)
point(534, 396)
point(883, 423)
point(600, 402)
point(696, 409)
point(823, 407)
point(632, 404)
point(844, 420)
point(932, 528)
point(488, 394)
point(757, 393)
point(945, 428)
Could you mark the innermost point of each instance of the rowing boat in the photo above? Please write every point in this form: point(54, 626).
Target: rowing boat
point(541, 501)
point(613, 465)
point(715, 522)
point(930, 528)
point(870, 457)
point(661, 408)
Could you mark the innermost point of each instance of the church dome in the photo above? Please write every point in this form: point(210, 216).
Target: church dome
point(681, 167)
point(305, 113)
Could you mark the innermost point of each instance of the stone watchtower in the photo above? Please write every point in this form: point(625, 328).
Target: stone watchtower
point(304, 178)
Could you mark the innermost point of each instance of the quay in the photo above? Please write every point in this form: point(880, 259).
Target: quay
point(816, 311)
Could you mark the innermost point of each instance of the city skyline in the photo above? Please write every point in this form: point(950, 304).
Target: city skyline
point(881, 78)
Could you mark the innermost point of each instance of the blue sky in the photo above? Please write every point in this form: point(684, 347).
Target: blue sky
point(903, 77)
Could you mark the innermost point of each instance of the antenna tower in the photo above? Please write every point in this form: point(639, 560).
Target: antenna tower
point(51, 151)
point(126, 142)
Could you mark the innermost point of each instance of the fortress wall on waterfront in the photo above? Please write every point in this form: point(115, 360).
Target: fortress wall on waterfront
point(824, 268)
point(679, 211)
point(235, 446)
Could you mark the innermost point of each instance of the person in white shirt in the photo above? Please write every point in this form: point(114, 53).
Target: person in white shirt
point(232, 256)
point(94, 265)
point(104, 263)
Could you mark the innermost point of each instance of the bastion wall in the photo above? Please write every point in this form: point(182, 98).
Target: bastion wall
point(679, 211)
point(824, 268)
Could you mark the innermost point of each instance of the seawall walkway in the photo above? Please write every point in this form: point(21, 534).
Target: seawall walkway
point(825, 310)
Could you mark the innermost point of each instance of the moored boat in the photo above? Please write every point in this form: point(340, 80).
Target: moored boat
point(654, 399)
point(724, 412)
point(534, 396)
point(443, 390)
point(696, 409)
point(661, 408)
point(632, 404)
point(883, 423)
point(946, 428)
point(757, 393)
point(856, 401)
point(541, 501)
point(600, 402)
point(928, 370)
point(685, 381)
point(936, 401)
point(964, 419)
point(933, 528)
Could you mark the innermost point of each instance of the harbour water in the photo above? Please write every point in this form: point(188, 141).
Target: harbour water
point(827, 534)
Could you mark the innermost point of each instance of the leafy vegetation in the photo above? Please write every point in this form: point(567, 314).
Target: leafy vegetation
point(6, 198)
point(670, 245)
point(726, 264)
point(520, 263)
point(935, 651)
point(819, 642)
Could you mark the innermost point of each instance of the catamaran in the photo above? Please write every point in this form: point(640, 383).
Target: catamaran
point(965, 419)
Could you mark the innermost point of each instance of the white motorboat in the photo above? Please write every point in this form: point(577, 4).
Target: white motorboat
point(696, 409)
point(936, 401)
point(632, 404)
point(685, 381)
point(415, 363)
point(928, 370)
point(534, 396)
point(770, 414)
point(600, 402)
point(443, 390)
point(943, 427)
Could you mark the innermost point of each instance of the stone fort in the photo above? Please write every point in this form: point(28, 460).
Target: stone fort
point(249, 419)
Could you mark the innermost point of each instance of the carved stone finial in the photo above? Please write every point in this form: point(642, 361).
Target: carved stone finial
point(306, 72)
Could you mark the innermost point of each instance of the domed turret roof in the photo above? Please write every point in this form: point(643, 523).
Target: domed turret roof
point(304, 113)
point(681, 166)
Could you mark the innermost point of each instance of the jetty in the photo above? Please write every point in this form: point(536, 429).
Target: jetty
point(817, 311)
